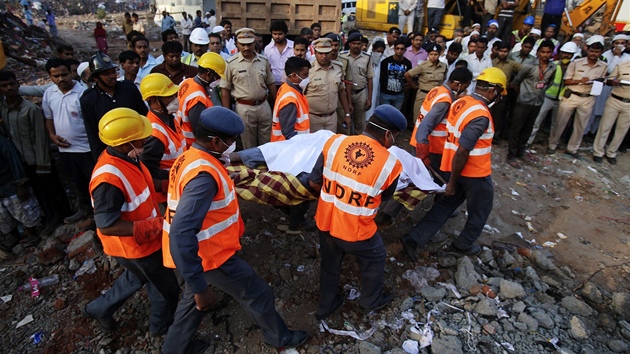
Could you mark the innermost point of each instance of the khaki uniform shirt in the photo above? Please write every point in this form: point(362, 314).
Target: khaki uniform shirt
point(360, 68)
point(323, 87)
point(510, 68)
point(248, 80)
point(579, 68)
point(622, 72)
point(346, 71)
point(429, 75)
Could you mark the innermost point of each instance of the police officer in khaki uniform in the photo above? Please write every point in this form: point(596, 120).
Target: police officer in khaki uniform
point(325, 88)
point(431, 73)
point(248, 78)
point(346, 75)
point(362, 72)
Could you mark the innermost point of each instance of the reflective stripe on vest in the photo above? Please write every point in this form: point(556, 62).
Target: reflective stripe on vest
point(136, 185)
point(287, 95)
point(462, 112)
point(555, 90)
point(173, 142)
point(222, 226)
point(356, 171)
point(437, 137)
point(190, 93)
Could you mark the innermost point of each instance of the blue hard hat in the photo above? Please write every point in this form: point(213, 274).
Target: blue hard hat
point(529, 20)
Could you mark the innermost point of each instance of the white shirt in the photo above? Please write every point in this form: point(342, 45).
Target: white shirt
point(277, 60)
point(449, 67)
point(406, 5)
point(613, 60)
point(435, 4)
point(476, 65)
point(65, 112)
point(490, 43)
point(187, 26)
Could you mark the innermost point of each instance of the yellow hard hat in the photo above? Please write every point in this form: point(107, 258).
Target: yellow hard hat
point(494, 76)
point(213, 61)
point(157, 85)
point(122, 125)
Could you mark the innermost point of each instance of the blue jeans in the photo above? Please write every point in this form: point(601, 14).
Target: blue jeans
point(394, 100)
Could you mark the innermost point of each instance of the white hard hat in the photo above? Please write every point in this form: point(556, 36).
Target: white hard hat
point(199, 36)
point(569, 47)
point(595, 39)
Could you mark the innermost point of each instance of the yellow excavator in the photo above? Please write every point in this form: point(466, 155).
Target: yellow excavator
point(380, 15)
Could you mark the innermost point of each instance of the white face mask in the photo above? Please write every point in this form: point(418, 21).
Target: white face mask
point(225, 155)
point(214, 84)
point(376, 56)
point(135, 152)
point(304, 83)
point(173, 106)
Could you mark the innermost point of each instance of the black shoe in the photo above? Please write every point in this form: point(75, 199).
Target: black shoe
point(297, 339)
point(598, 159)
point(76, 217)
point(471, 250)
point(574, 155)
point(386, 298)
point(409, 246)
point(611, 160)
point(551, 151)
point(196, 346)
point(338, 303)
point(108, 324)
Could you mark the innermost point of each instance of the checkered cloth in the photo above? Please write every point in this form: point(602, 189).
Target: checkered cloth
point(281, 189)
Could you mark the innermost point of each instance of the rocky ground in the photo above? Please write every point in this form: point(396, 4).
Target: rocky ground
point(553, 277)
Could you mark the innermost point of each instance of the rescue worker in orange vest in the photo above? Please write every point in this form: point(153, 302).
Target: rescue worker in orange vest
point(128, 223)
point(354, 174)
point(429, 133)
point(290, 111)
point(165, 144)
point(467, 159)
point(201, 236)
point(194, 94)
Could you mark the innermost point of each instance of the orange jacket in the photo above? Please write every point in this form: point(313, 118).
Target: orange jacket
point(174, 145)
point(357, 169)
point(222, 227)
point(437, 138)
point(286, 95)
point(479, 162)
point(140, 203)
point(190, 93)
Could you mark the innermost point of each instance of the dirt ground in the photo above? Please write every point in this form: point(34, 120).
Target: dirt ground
point(549, 195)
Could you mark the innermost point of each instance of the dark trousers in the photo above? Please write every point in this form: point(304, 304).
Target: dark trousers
point(548, 19)
point(79, 166)
point(505, 28)
point(522, 125)
point(50, 194)
point(435, 17)
point(162, 288)
point(436, 164)
point(478, 194)
point(370, 255)
point(501, 117)
point(236, 278)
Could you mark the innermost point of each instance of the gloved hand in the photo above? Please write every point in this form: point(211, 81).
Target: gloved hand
point(422, 152)
point(145, 231)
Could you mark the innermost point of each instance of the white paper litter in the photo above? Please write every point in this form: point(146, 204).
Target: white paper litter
point(353, 292)
point(514, 193)
point(549, 244)
point(323, 326)
point(561, 236)
point(26, 320)
point(6, 298)
point(591, 169)
point(452, 288)
point(411, 347)
point(507, 346)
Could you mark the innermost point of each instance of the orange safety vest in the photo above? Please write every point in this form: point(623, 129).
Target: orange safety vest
point(287, 94)
point(140, 203)
point(222, 227)
point(190, 93)
point(174, 145)
point(357, 169)
point(479, 162)
point(437, 138)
